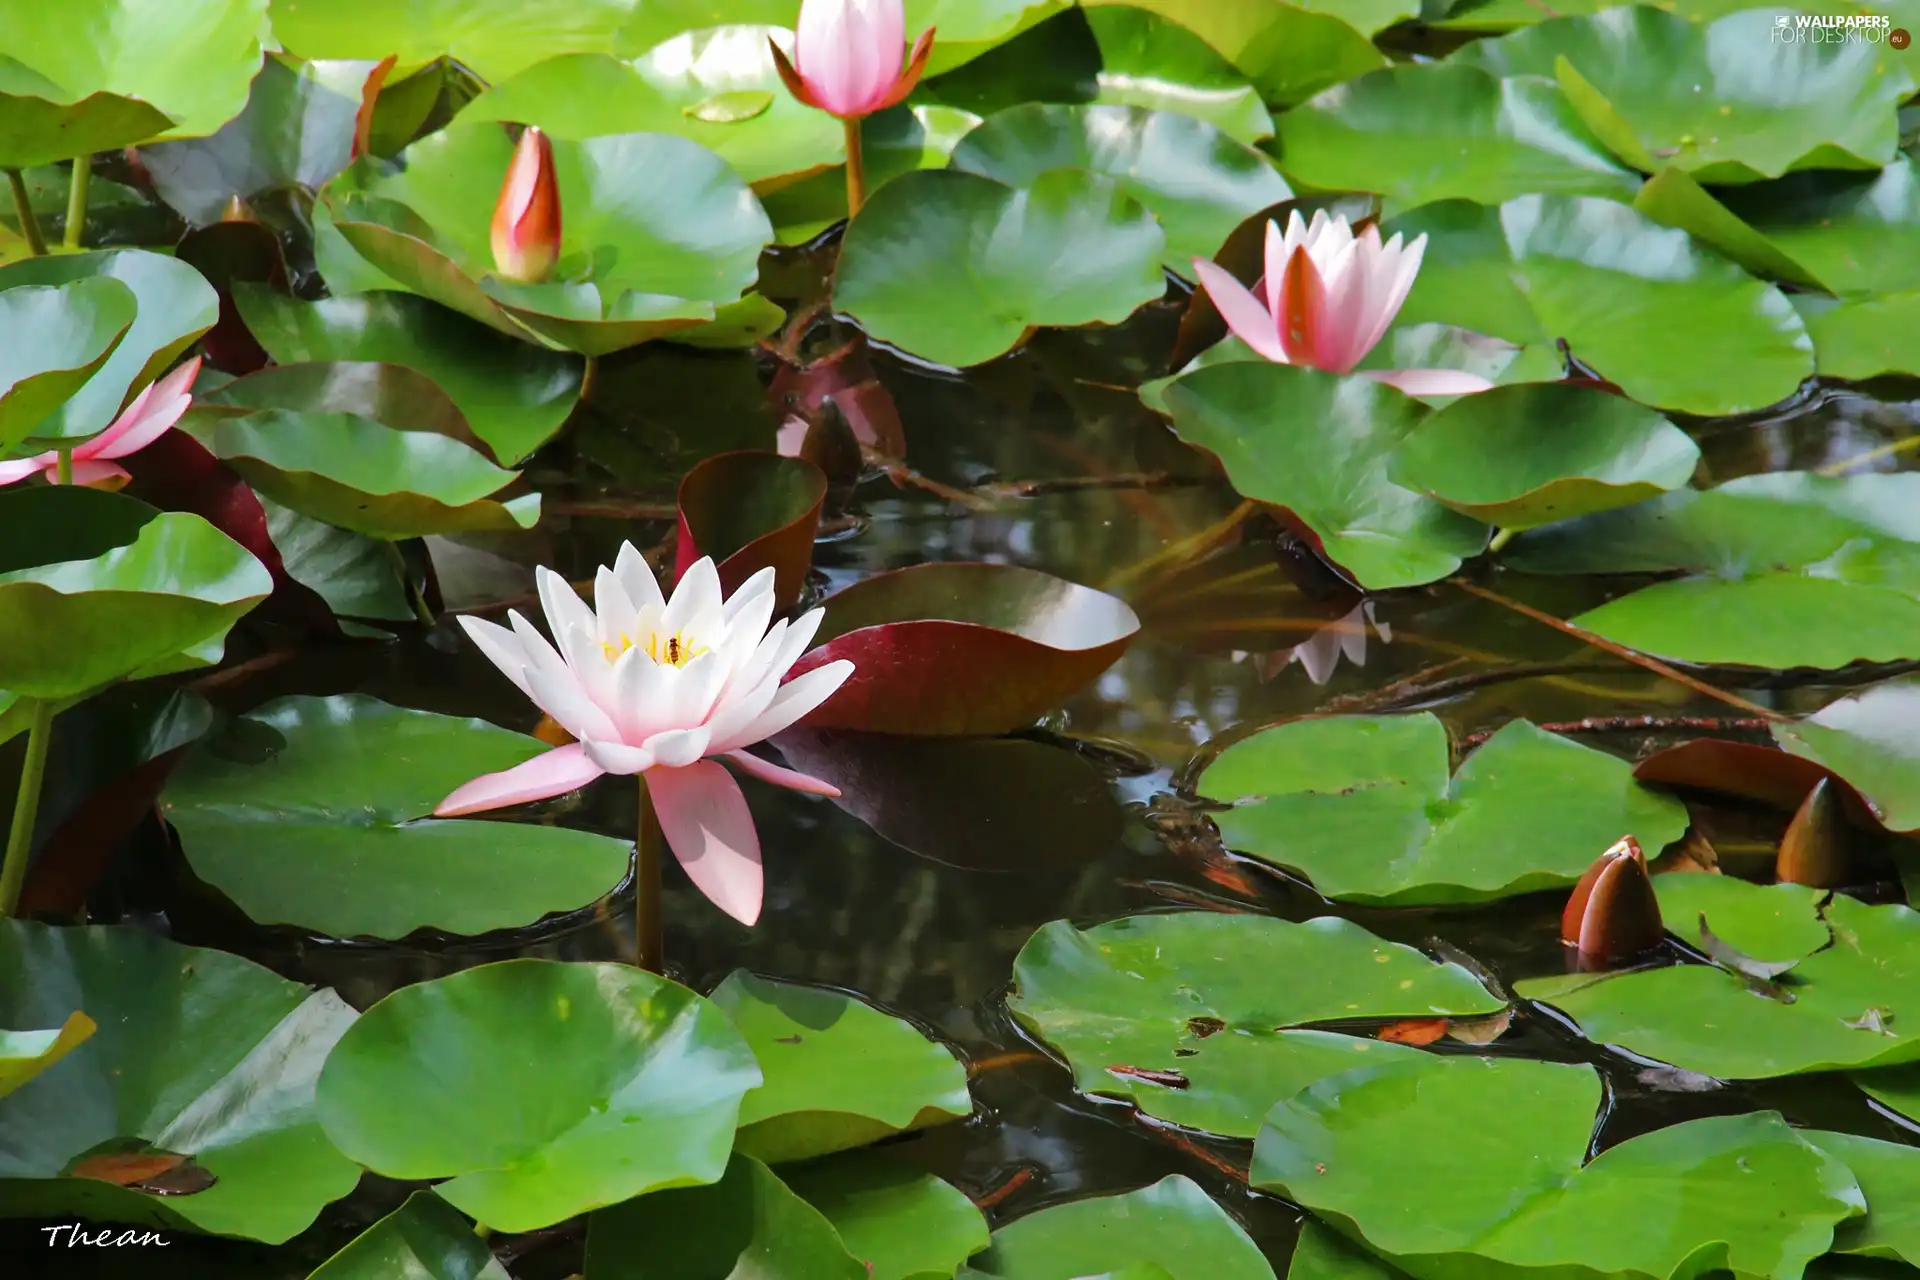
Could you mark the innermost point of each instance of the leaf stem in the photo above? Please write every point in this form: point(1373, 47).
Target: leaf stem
point(75, 234)
point(26, 807)
point(23, 206)
point(1501, 537)
point(648, 931)
point(63, 465)
point(856, 168)
point(418, 604)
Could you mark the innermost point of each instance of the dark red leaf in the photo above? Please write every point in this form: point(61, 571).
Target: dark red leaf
point(749, 510)
point(846, 378)
point(1748, 771)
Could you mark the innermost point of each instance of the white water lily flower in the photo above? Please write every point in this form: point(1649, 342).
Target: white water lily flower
point(662, 687)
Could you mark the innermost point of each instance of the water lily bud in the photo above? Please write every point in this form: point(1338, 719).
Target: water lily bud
point(850, 57)
point(1814, 850)
point(1613, 914)
point(526, 222)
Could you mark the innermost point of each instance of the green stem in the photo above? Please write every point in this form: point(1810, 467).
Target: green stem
point(856, 169)
point(63, 467)
point(1501, 537)
point(649, 932)
point(418, 603)
point(482, 1230)
point(76, 232)
point(26, 807)
point(23, 206)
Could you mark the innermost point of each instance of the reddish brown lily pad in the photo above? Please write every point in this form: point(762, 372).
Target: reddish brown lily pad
point(963, 648)
point(1748, 771)
point(845, 377)
point(750, 509)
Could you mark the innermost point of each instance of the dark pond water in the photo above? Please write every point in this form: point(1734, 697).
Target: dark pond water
point(1102, 830)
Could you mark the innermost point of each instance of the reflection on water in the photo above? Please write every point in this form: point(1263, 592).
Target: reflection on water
point(920, 888)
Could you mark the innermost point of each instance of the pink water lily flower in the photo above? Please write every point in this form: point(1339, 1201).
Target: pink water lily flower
point(1329, 297)
point(849, 56)
point(155, 409)
point(665, 688)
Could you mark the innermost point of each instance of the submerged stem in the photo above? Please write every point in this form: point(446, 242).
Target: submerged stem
point(75, 234)
point(23, 207)
point(63, 466)
point(856, 169)
point(26, 807)
point(648, 930)
point(1501, 537)
point(414, 599)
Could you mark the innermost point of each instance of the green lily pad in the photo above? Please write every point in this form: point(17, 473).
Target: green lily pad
point(198, 1053)
point(352, 573)
point(35, 131)
point(1073, 248)
point(96, 587)
point(1417, 134)
point(25, 1054)
point(515, 396)
point(904, 1224)
point(359, 474)
point(175, 306)
point(1179, 1014)
point(1889, 1176)
point(1846, 1011)
point(691, 85)
point(1197, 181)
point(1362, 806)
point(1673, 199)
point(1324, 1254)
point(300, 806)
point(1675, 326)
point(1320, 446)
point(1868, 739)
point(192, 60)
point(1787, 569)
point(387, 393)
point(424, 1239)
point(1774, 923)
point(1897, 1088)
point(626, 1083)
point(1862, 338)
point(1852, 232)
point(60, 336)
point(1727, 102)
point(748, 1223)
point(838, 1073)
point(657, 233)
point(495, 38)
point(1289, 51)
point(1172, 1224)
point(898, 140)
point(1742, 1192)
point(1527, 455)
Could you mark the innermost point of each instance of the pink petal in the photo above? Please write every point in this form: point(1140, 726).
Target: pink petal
point(93, 472)
point(710, 830)
point(147, 418)
point(551, 773)
point(1275, 262)
point(1250, 321)
point(1430, 382)
point(791, 779)
point(14, 472)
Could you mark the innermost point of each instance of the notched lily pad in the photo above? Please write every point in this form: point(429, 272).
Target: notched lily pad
point(1170, 1228)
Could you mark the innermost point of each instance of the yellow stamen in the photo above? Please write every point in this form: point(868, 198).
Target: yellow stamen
point(674, 651)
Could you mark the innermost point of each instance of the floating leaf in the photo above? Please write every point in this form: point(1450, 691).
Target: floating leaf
point(300, 806)
point(1363, 807)
point(899, 140)
point(1889, 1176)
point(1898, 1088)
point(903, 1224)
point(496, 38)
point(197, 1053)
point(424, 1239)
point(1864, 338)
point(1324, 1254)
point(634, 1089)
point(1776, 924)
point(1749, 771)
point(1867, 740)
point(838, 1073)
point(1190, 995)
point(751, 510)
point(1289, 51)
point(44, 130)
point(61, 335)
point(25, 1054)
point(959, 648)
point(1073, 248)
point(1172, 1225)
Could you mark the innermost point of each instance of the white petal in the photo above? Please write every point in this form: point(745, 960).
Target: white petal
point(677, 748)
point(698, 592)
point(541, 656)
point(642, 699)
point(636, 578)
point(618, 757)
point(561, 697)
point(796, 698)
point(761, 583)
point(563, 605)
point(616, 612)
point(502, 649)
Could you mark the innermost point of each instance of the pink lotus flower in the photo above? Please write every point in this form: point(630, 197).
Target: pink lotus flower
point(848, 56)
point(155, 409)
point(526, 219)
point(662, 687)
point(1330, 296)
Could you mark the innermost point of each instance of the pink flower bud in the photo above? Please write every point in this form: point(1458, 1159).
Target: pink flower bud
point(849, 56)
point(526, 222)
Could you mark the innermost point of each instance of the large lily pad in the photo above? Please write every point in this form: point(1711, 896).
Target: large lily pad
point(1853, 1005)
point(838, 1073)
point(313, 812)
point(175, 306)
point(1727, 101)
point(352, 471)
point(424, 1239)
point(61, 335)
point(717, 86)
point(1775, 924)
point(1073, 248)
point(1197, 181)
point(541, 1090)
point(658, 234)
point(1861, 338)
point(1322, 1253)
point(198, 1053)
point(1672, 324)
point(25, 1054)
point(1896, 1088)
point(958, 648)
point(96, 586)
point(515, 396)
point(1492, 1152)
point(495, 38)
point(1786, 569)
point(1180, 1015)
point(1362, 806)
point(40, 130)
point(1321, 446)
point(1416, 134)
point(1172, 1225)
point(1530, 454)
point(1289, 51)
point(904, 1224)
point(1868, 739)
point(1889, 1176)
